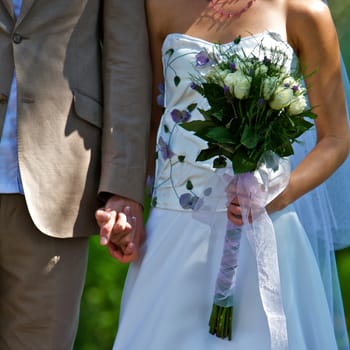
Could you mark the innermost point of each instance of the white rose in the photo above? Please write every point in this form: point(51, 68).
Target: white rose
point(244, 66)
point(298, 105)
point(239, 84)
point(222, 75)
point(290, 82)
point(242, 89)
point(284, 70)
point(281, 98)
point(261, 70)
point(212, 75)
point(269, 86)
point(217, 76)
point(229, 81)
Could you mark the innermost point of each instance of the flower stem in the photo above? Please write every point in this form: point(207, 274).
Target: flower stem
point(220, 322)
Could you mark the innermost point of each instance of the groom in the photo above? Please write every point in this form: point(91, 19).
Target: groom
point(62, 155)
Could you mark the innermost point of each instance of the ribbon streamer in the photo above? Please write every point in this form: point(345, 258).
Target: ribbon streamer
point(254, 191)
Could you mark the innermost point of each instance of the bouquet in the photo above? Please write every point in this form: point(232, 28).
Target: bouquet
point(257, 110)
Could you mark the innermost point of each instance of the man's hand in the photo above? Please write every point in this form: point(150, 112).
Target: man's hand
point(121, 228)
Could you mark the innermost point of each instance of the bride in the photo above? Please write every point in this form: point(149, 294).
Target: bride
point(169, 290)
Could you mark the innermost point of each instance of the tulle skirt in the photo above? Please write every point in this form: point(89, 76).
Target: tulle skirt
point(169, 292)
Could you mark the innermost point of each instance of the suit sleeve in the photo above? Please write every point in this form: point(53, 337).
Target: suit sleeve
point(127, 99)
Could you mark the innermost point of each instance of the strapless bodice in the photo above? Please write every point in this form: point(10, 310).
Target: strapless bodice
point(180, 180)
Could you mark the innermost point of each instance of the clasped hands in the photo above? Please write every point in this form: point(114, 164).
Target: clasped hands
point(121, 228)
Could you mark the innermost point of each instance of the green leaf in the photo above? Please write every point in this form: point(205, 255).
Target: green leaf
point(309, 114)
point(218, 115)
point(192, 107)
point(243, 162)
point(220, 135)
point(219, 162)
point(241, 165)
point(208, 153)
point(207, 114)
point(197, 125)
point(177, 80)
point(215, 95)
point(229, 149)
point(169, 52)
point(237, 40)
point(154, 202)
point(250, 137)
point(189, 185)
point(285, 150)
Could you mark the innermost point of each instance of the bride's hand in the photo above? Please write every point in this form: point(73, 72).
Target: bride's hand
point(234, 212)
point(126, 248)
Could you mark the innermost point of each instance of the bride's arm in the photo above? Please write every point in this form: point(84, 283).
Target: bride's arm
point(312, 33)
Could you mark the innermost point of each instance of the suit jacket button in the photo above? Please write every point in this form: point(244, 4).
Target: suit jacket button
point(17, 38)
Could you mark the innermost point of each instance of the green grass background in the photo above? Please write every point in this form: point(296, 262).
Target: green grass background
point(105, 277)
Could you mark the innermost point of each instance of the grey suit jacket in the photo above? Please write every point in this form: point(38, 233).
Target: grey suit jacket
point(71, 58)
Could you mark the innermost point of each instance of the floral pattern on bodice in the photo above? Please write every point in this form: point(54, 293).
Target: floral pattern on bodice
point(180, 180)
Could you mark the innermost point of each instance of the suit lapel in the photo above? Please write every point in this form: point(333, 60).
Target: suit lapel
point(26, 6)
point(9, 7)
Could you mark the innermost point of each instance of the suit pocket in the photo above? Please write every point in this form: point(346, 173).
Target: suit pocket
point(87, 109)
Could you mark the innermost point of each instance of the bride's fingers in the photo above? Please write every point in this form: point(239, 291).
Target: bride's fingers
point(234, 201)
point(234, 213)
point(129, 249)
point(124, 255)
point(235, 208)
point(235, 219)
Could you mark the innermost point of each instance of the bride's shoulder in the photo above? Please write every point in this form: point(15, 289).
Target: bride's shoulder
point(310, 9)
point(303, 14)
point(307, 21)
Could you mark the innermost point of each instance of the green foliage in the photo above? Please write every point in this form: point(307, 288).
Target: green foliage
point(100, 303)
point(341, 12)
point(343, 262)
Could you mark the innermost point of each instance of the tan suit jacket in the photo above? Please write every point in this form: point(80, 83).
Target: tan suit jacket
point(61, 69)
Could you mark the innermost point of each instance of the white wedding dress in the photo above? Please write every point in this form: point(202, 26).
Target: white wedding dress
point(169, 292)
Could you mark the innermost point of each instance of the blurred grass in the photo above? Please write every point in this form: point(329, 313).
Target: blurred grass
point(343, 262)
point(105, 277)
point(341, 11)
point(100, 303)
